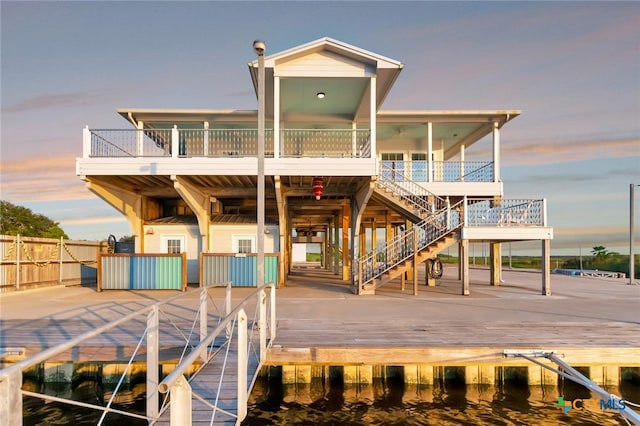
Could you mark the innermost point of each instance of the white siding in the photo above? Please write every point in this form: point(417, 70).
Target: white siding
point(222, 237)
point(323, 64)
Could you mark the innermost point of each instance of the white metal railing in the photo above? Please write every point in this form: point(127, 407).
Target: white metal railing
point(235, 323)
point(440, 171)
point(180, 143)
point(410, 192)
point(409, 243)
point(331, 143)
point(194, 333)
point(506, 212)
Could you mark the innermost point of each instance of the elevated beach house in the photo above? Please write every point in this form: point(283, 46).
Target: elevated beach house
point(382, 192)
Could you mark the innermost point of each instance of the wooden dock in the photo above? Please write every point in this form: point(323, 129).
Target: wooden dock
point(593, 321)
point(205, 385)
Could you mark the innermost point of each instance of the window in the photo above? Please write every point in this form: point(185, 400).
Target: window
point(244, 246)
point(174, 244)
point(393, 166)
point(243, 243)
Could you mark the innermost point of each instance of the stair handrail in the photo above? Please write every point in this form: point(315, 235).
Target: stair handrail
point(411, 192)
point(401, 247)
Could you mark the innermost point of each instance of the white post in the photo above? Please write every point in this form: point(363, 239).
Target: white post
point(372, 116)
point(276, 117)
point(86, 142)
point(11, 399)
point(139, 139)
point(153, 374)
point(448, 213)
point(203, 322)
point(430, 164)
point(205, 139)
point(464, 211)
point(354, 145)
point(496, 152)
point(462, 162)
point(242, 365)
point(259, 47)
point(227, 307)
point(272, 326)
point(181, 401)
point(175, 142)
point(262, 323)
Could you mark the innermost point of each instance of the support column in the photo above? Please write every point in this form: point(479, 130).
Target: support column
point(464, 264)
point(199, 202)
point(336, 245)
point(496, 152)
point(346, 216)
point(430, 152)
point(495, 265)
point(374, 243)
point(546, 271)
point(415, 263)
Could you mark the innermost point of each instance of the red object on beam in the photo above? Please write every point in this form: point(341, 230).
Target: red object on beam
point(317, 187)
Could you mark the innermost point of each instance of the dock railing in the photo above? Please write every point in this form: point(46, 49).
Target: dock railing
point(197, 344)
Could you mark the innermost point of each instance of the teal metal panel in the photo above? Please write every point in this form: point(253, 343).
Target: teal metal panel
point(168, 273)
point(115, 273)
point(271, 269)
point(143, 272)
point(242, 271)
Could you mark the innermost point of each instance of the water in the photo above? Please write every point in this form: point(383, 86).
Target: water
point(392, 403)
point(327, 402)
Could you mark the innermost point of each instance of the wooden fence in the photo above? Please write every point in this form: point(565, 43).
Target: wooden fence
point(31, 262)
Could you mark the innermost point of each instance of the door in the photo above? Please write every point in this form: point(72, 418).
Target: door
point(393, 166)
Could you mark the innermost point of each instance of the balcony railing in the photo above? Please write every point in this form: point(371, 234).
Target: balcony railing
point(441, 171)
point(338, 143)
point(506, 212)
point(341, 143)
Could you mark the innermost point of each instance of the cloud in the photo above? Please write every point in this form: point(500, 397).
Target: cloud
point(92, 221)
point(532, 153)
point(56, 100)
point(42, 179)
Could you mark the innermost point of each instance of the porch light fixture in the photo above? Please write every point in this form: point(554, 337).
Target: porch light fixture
point(317, 187)
point(320, 95)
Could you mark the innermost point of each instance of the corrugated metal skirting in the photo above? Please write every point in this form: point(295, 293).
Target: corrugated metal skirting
point(241, 270)
point(141, 272)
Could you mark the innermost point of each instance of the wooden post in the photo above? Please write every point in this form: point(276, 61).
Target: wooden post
point(464, 263)
point(546, 272)
point(227, 307)
point(495, 265)
point(415, 261)
point(345, 242)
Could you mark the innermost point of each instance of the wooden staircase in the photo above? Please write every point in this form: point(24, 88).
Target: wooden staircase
point(428, 252)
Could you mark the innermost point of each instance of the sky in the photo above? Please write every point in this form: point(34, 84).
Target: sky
point(572, 68)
